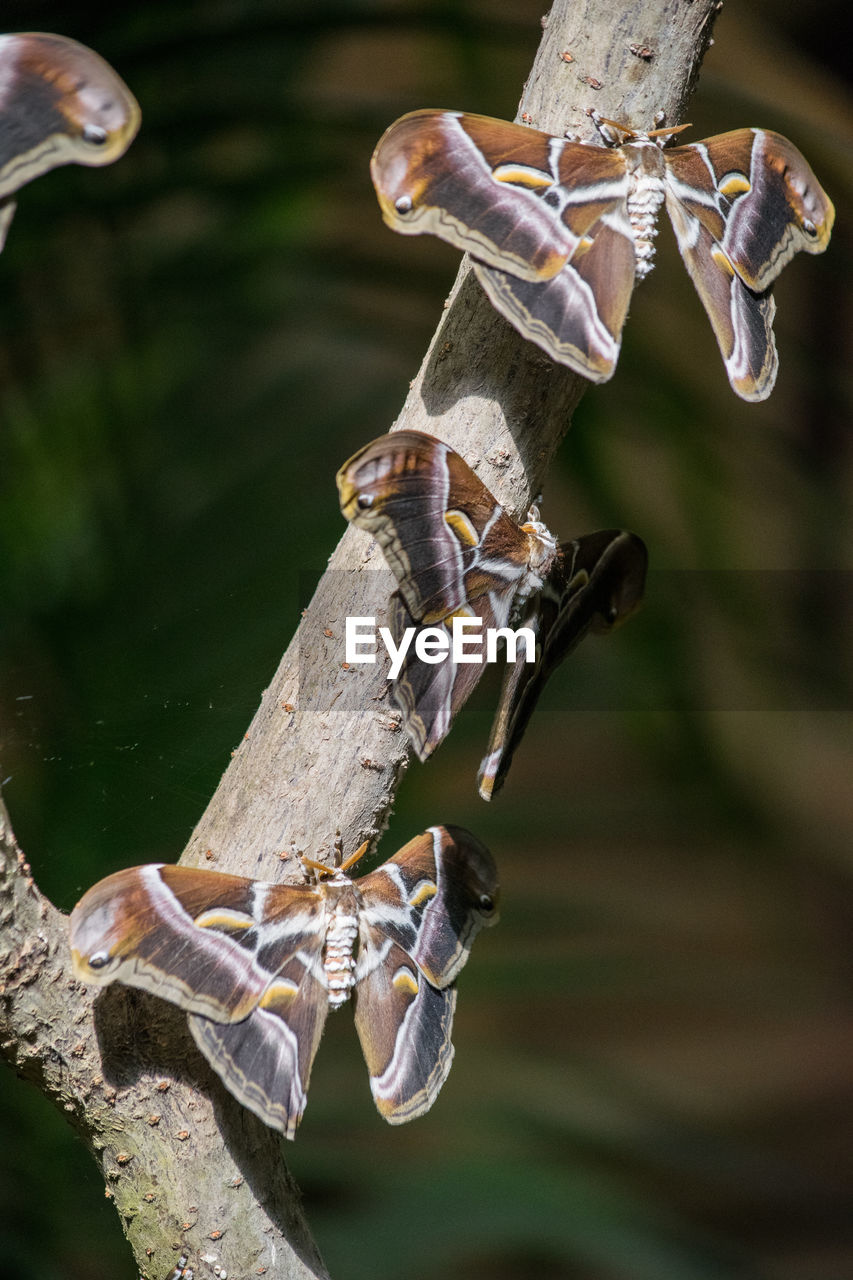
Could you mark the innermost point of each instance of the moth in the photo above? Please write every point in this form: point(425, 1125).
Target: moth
point(60, 103)
point(560, 230)
point(257, 966)
point(456, 553)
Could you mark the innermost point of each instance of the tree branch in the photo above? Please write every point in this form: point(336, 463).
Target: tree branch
point(182, 1160)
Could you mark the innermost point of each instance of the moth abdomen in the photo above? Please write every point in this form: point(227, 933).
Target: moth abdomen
point(339, 954)
point(644, 203)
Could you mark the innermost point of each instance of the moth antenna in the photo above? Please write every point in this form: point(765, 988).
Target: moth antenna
point(355, 857)
point(611, 129)
point(320, 869)
point(669, 132)
point(323, 871)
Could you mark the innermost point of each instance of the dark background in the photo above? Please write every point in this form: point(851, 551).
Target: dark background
point(653, 1076)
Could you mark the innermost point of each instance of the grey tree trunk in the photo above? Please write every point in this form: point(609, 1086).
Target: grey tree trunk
point(188, 1169)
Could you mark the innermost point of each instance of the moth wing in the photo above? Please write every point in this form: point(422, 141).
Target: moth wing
point(596, 583)
point(742, 319)
point(191, 936)
point(757, 196)
point(62, 103)
point(7, 213)
point(434, 519)
point(500, 191)
point(244, 958)
point(429, 695)
point(432, 899)
point(421, 911)
point(404, 1026)
point(578, 315)
point(265, 1061)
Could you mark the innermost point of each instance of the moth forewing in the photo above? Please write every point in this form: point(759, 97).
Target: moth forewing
point(61, 103)
point(466, 899)
point(765, 194)
point(431, 174)
point(139, 927)
point(400, 494)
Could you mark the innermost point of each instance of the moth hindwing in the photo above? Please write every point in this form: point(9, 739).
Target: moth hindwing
point(596, 583)
point(61, 103)
point(558, 230)
point(257, 966)
point(457, 555)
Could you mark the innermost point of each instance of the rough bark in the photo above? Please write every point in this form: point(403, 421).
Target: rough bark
point(188, 1169)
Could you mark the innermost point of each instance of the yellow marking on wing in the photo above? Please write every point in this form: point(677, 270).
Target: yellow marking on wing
point(279, 992)
point(222, 918)
point(522, 175)
point(425, 890)
point(734, 184)
point(722, 260)
point(464, 611)
point(462, 527)
point(579, 581)
point(405, 980)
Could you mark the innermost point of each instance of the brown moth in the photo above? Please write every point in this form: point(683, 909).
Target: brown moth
point(560, 230)
point(457, 554)
point(60, 103)
point(257, 966)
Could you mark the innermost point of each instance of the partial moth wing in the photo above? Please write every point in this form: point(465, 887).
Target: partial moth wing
point(596, 582)
point(7, 213)
point(576, 317)
point(742, 204)
point(430, 694)
point(757, 196)
point(443, 534)
point(545, 220)
point(741, 319)
point(421, 911)
point(237, 951)
point(404, 1025)
point(190, 936)
point(490, 188)
point(265, 1061)
point(62, 104)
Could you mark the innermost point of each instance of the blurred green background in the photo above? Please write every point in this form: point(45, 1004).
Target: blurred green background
point(654, 1074)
